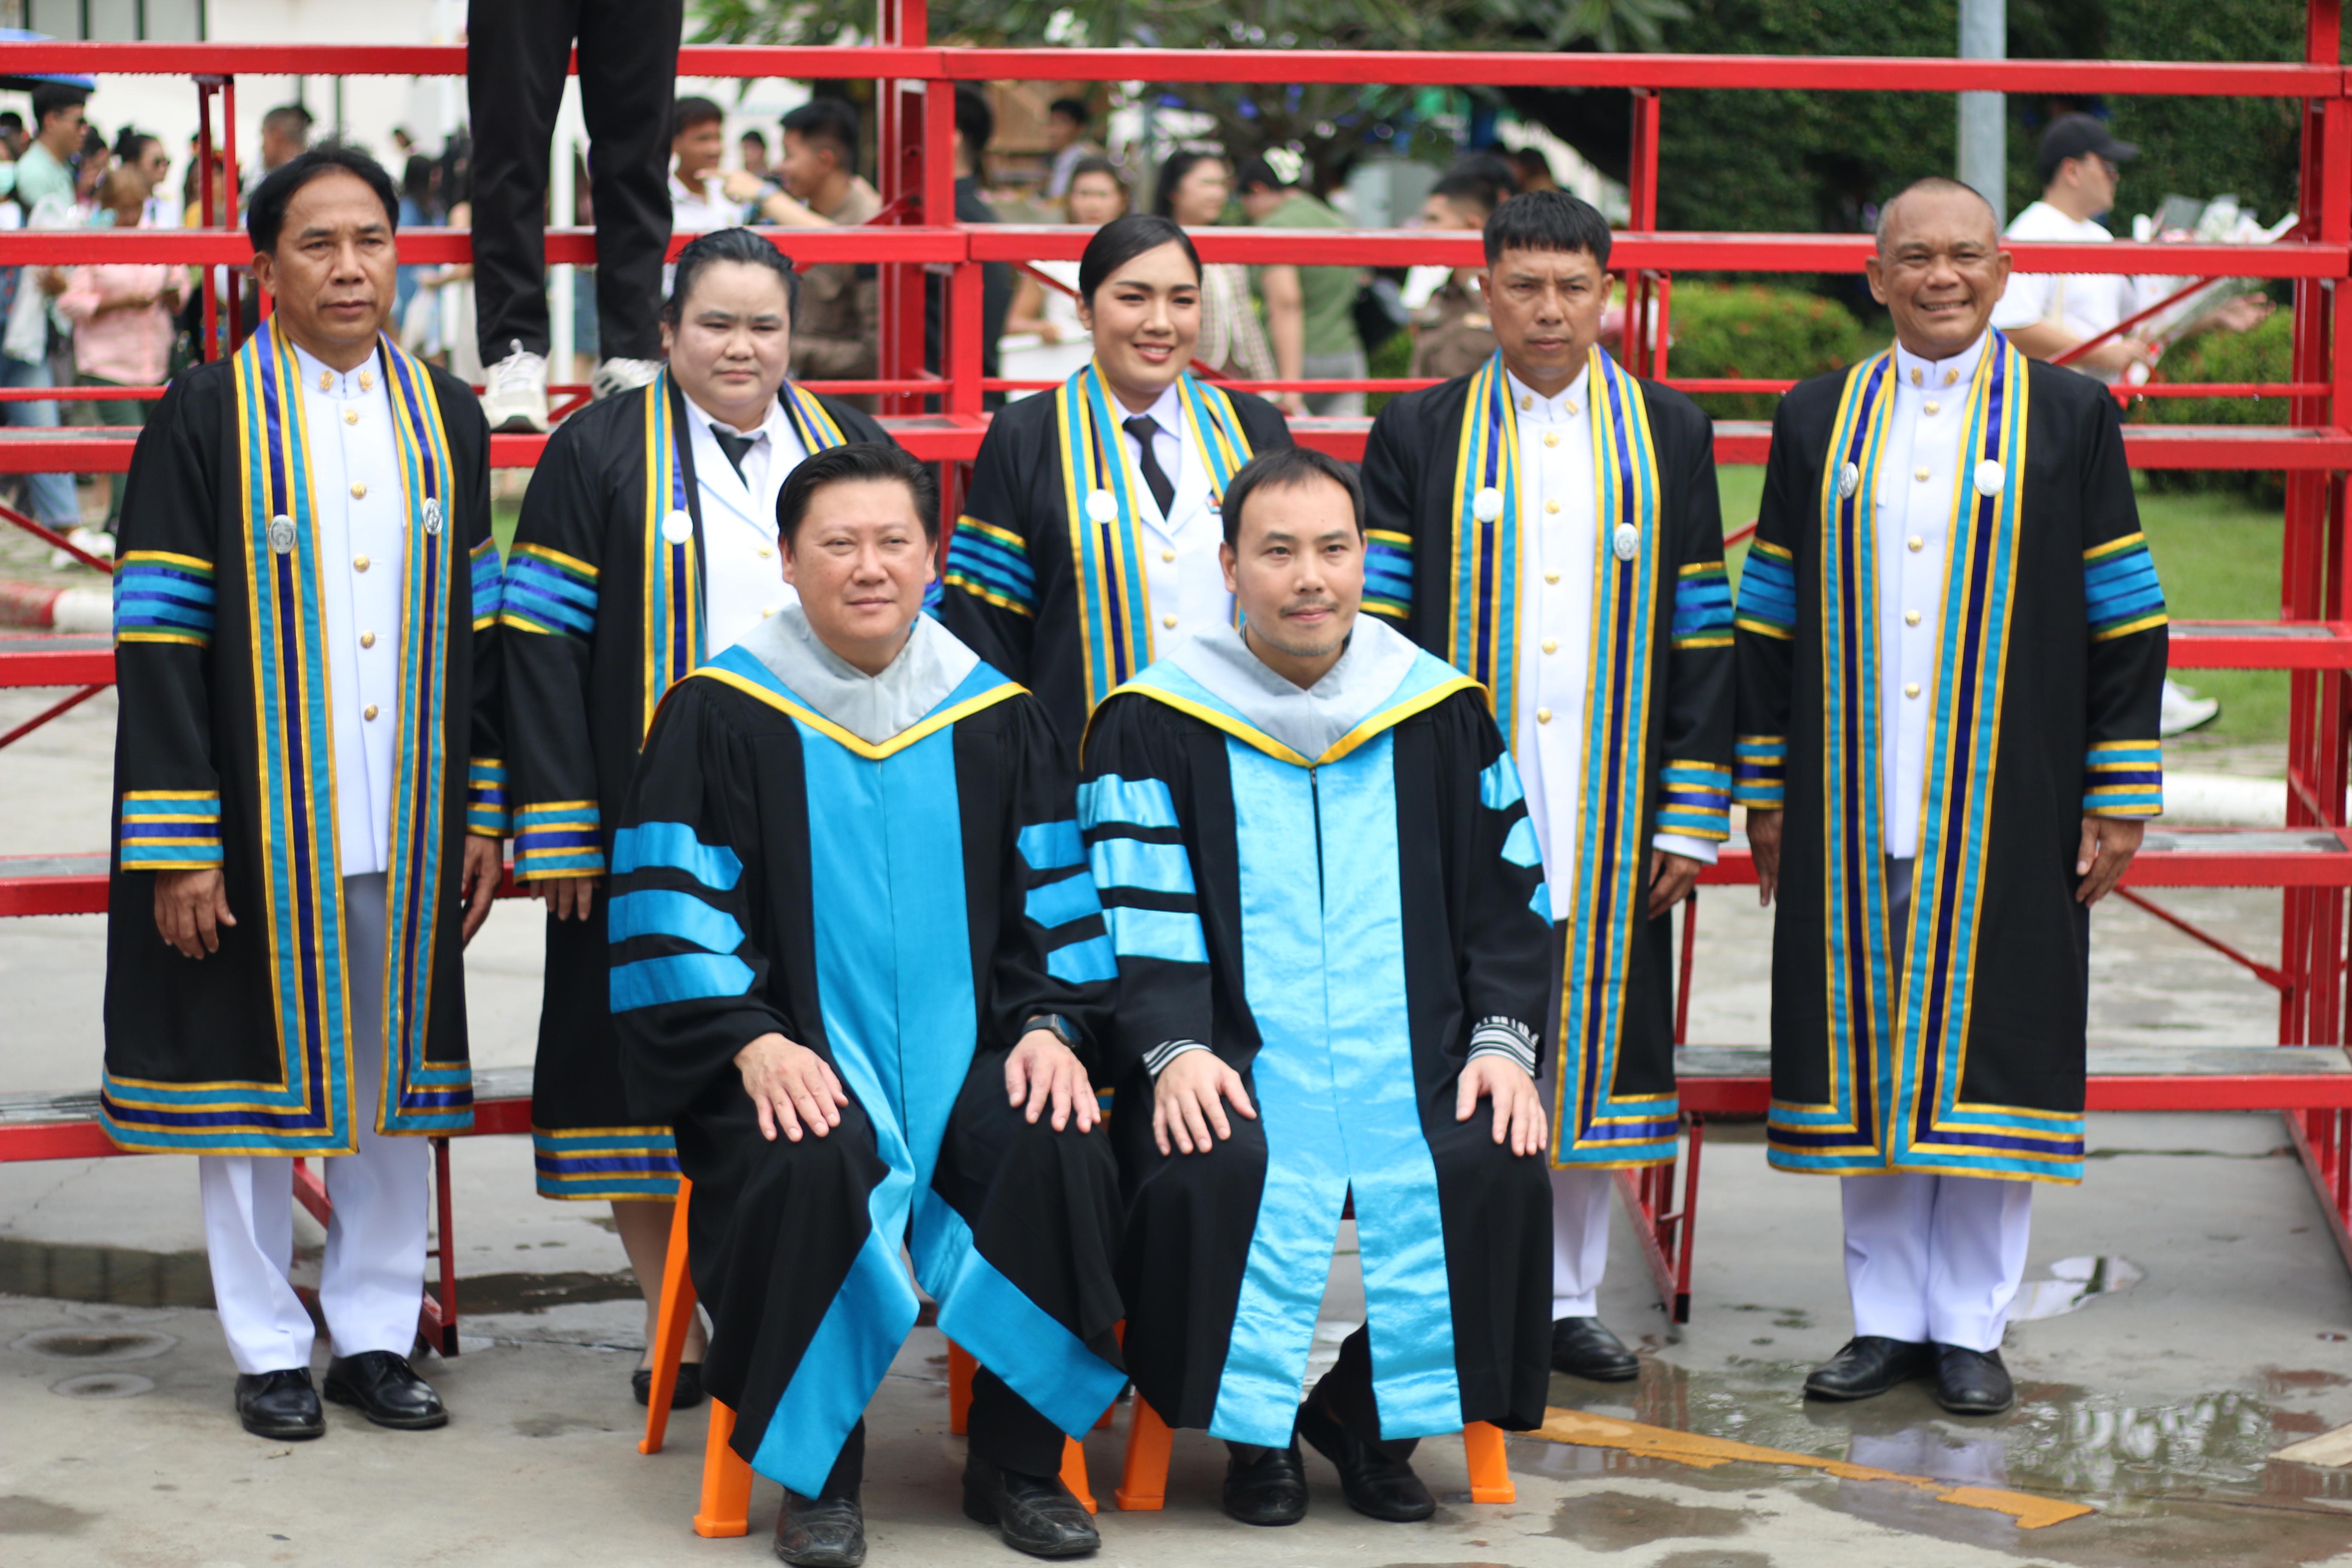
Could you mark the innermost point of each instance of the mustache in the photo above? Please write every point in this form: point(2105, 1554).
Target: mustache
point(1314, 603)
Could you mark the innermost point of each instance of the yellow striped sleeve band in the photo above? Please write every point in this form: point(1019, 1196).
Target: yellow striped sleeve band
point(160, 598)
point(1388, 574)
point(1695, 800)
point(992, 563)
point(1759, 771)
point(2120, 592)
point(486, 813)
point(1702, 606)
point(1768, 591)
point(171, 830)
point(2124, 778)
point(557, 838)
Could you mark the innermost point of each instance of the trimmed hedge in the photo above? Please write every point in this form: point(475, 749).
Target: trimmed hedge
point(1755, 330)
point(2266, 353)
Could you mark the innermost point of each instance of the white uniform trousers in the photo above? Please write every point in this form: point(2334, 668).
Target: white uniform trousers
point(1928, 1257)
point(1579, 1238)
point(372, 1280)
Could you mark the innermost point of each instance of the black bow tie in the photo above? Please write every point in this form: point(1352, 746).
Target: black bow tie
point(734, 446)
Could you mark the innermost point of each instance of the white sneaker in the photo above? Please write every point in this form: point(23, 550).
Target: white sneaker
point(622, 375)
point(516, 397)
point(89, 541)
point(2183, 709)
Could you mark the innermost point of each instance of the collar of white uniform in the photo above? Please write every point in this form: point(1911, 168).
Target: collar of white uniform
point(343, 386)
point(873, 708)
point(1167, 412)
point(1931, 375)
point(1309, 720)
point(1536, 408)
point(773, 425)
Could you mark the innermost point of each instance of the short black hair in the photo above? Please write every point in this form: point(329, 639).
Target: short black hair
point(1548, 220)
point(831, 122)
point(54, 98)
point(131, 145)
point(1259, 173)
point(738, 245)
point(1171, 174)
point(292, 119)
point(266, 217)
point(1933, 186)
point(1095, 164)
point(1070, 109)
point(12, 120)
point(690, 112)
point(1287, 467)
point(1124, 239)
point(867, 462)
point(1484, 180)
point(754, 137)
point(975, 121)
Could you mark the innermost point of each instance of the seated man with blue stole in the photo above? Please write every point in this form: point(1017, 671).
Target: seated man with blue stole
point(305, 769)
point(858, 961)
point(1951, 664)
point(1331, 923)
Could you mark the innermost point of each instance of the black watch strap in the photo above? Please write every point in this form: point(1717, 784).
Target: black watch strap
point(1057, 1026)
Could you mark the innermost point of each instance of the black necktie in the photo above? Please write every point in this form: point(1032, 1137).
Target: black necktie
point(734, 446)
point(1163, 489)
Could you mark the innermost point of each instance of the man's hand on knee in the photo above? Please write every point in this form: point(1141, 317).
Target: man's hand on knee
point(189, 909)
point(1188, 1102)
point(1043, 1071)
point(791, 1087)
point(1519, 1109)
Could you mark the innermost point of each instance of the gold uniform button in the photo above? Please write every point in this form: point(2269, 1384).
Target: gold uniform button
point(1910, 688)
point(766, 551)
point(1167, 621)
point(1551, 506)
point(359, 562)
point(1551, 576)
point(358, 490)
point(1571, 409)
point(767, 610)
point(368, 712)
point(326, 380)
point(1920, 475)
point(367, 381)
point(1551, 437)
point(1168, 555)
point(1915, 375)
point(1914, 544)
point(1910, 617)
point(1543, 715)
point(367, 640)
point(1550, 646)
point(1934, 406)
point(1526, 403)
point(1951, 377)
point(351, 416)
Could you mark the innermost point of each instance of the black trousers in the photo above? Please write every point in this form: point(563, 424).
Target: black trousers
point(517, 55)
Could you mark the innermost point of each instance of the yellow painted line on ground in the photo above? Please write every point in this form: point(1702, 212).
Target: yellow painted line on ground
point(1705, 1453)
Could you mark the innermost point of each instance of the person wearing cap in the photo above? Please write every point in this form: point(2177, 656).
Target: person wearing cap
point(647, 542)
point(1088, 541)
point(1951, 644)
point(1548, 524)
point(2047, 314)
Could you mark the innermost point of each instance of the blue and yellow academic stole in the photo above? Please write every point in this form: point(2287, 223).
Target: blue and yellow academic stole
point(1898, 1042)
point(1114, 603)
point(308, 956)
point(1482, 621)
point(674, 626)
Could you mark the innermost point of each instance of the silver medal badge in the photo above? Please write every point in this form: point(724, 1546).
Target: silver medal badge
point(1848, 481)
point(1990, 478)
point(432, 514)
point(281, 534)
point(1486, 505)
point(677, 528)
point(1625, 541)
point(1101, 508)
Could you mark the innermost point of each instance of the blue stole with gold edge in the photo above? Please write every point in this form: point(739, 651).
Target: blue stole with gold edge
point(1898, 1041)
point(1098, 488)
point(674, 610)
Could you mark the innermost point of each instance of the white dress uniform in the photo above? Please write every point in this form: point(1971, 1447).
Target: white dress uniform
point(1927, 1257)
point(1181, 570)
point(1557, 540)
point(743, 572)
point(2083, 304)
point(372, 1278)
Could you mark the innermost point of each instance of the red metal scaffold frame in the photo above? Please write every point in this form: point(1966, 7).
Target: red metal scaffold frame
point(939, 414)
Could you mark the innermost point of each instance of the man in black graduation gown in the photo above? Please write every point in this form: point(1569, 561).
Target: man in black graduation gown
point(1549, 523)
point(851, 907)
point(305, 786)
point(1951, 656)
point(1327, 906)
point(648, 540)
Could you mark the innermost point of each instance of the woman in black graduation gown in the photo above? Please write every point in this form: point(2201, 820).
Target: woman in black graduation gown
point(1088, 542)
point(644, 545)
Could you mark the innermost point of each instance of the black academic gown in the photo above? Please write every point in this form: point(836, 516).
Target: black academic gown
point(590, 639)
point(1015, 588)
point(1658, 719)
point(1957, 1046)
point(1337, 934)
point(224, 757)
point(902, 909)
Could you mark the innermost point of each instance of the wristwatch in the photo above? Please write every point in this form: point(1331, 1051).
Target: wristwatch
point(1058, 1026)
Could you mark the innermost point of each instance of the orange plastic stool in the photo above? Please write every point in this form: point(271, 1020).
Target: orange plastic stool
point(726, 1478)
point(1143, 1483)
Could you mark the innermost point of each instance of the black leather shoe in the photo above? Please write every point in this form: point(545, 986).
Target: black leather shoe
point(684, 1395)
point(1378, 1487)
point(386, 1390)
point(1973, 1383)
point(279, 1404)
point(1583, 1347)
point(820, 1532)
point(1868, 1366)
point(1270, 1489)
point(1036, 1514)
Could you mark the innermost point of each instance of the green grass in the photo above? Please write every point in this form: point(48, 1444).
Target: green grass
point(2218, 556)
point(503, 516)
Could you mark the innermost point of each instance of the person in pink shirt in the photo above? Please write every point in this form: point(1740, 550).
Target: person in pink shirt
point(122, 317)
